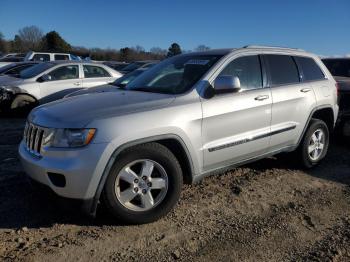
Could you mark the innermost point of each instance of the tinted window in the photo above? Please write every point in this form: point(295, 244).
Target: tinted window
point(65, 72)
point(41, 57)
point(310, 69)
point(95, 71)
point(35, 70)
point(283, 69)
point(338, 67)
point(16, 70)
point(247, 69)
point(61, 57)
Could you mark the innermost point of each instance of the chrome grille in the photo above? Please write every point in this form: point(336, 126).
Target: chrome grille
point(33, 138)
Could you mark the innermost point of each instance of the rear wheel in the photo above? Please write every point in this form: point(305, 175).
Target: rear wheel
point(144, 184)
point(314, 145)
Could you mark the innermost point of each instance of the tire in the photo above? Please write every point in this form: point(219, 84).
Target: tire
point(166, 175)
point(22, 104)
point(310, 159)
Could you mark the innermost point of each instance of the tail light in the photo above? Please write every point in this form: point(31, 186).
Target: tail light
point(337, 87)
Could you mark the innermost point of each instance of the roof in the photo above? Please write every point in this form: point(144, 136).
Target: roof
point(58, 62)
point(335, 58)
point(223, 51)
point(226, 51)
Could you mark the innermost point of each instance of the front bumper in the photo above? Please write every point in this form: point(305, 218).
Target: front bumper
point(81, 167)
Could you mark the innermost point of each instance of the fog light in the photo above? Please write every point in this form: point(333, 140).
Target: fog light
point(57, 179)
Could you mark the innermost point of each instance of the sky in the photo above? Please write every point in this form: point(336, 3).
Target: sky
point(321, 27)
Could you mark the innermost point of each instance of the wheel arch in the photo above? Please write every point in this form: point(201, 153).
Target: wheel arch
point(324, 113)
point(173, 142)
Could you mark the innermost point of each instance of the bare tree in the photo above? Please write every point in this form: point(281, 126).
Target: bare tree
point(139, 49)
point(31, 37)
point(4, 46)
point(158, 51)
point(202, 48)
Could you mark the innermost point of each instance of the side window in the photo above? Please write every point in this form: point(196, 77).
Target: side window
point(283, 69)
point(41, 57)
point(61, 57)
point(65, 72)
point(94, 71)
point(247, 69)
point(310, 69)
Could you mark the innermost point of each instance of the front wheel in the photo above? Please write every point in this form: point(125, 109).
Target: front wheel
point(144, 184)
point(314, 145)
point(22, 104)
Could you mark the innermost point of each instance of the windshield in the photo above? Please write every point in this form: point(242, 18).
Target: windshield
point(35, 70)
point(338, 67)
point(174, 75)
point(124, 80)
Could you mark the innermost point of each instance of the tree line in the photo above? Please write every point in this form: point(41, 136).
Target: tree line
point(33, 38)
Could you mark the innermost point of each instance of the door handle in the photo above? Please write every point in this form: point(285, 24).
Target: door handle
point(261, 98)
point(77, 83)
point(305, 90)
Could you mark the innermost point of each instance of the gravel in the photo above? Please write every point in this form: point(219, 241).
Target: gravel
point(269, 210)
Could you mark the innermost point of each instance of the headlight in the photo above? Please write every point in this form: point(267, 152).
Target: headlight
point(68, 137)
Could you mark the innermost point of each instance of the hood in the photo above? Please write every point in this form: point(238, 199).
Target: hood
point(78, 111)
point(96, 89)
point(343, 82)
point(6, 80)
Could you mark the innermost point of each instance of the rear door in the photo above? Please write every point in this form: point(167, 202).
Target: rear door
point(292, 100)
point(65, 79)
point(95, 75)
point(236, 126)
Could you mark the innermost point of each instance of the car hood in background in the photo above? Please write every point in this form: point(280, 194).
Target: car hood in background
point(78, 111)
point(344, 83)
point(9, 80)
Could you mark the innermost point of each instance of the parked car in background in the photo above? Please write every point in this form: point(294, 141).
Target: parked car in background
point(44, 57)
point(46, 82)
point(138, 64)
point(190, 116)
point(340, 69)
point(13, 55)
point(9, 60)
point(117, 84)
point(15, 68)
point(118, 66)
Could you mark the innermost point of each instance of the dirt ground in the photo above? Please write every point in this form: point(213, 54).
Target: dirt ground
point(269, 210)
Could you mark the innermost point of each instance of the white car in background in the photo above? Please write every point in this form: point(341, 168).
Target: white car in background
point(46, 82)
point(45, 57)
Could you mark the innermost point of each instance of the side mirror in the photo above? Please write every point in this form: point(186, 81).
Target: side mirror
point(45, 78)
point(227, 84)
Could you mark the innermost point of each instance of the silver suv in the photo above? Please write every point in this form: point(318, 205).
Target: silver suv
point(187, 117)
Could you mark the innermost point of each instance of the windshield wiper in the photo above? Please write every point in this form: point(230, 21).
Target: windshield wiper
point(121, 86)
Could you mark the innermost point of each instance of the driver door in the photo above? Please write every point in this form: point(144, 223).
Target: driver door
point(60, 81)
point(236, 126)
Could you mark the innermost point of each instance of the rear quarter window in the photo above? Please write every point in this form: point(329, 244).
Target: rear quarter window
point(94, 71)
point(311, 71)
point(283, 70)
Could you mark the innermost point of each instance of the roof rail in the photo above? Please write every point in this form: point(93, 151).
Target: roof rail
point(267, 47)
